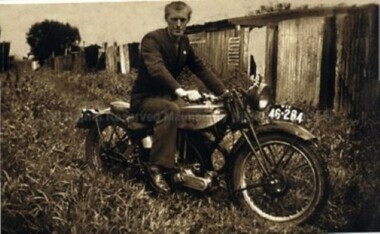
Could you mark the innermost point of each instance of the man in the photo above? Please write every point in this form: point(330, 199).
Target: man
point(164, 53)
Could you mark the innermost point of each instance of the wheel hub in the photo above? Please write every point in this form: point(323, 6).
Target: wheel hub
point(275, 184)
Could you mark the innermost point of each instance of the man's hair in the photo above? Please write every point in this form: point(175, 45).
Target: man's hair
point(177, 5)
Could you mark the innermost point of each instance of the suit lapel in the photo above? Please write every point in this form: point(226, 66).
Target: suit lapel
point(168, 47)
point(182, 53)
point(176, 58)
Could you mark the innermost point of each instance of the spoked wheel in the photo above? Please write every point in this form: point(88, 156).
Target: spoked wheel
point(112, 144)
point(294, 188)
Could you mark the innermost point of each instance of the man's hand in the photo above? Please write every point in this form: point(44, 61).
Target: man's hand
point(180, 92)
point(192, 95)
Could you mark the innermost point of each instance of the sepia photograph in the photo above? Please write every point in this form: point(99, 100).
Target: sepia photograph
point(194, 116)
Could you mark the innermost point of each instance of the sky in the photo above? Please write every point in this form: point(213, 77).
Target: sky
point(121, 21)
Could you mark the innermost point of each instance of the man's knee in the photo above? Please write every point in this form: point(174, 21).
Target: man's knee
point(170, 112)
point(172, 108)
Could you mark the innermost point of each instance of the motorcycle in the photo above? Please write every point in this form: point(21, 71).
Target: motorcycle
point(272, 169)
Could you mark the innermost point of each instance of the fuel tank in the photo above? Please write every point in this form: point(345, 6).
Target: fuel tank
point(198, 117)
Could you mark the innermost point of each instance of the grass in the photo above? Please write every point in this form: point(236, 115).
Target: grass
point(46, 185)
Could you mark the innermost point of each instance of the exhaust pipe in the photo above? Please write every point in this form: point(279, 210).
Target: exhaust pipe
point(187, 179)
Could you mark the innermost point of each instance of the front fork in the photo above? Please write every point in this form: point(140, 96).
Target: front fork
point(236, 106)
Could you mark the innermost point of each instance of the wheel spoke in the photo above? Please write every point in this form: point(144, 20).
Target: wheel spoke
point(283, 158)
point(115, 139)
point(112, 132)
point(272, 156)
point(249, 187)
point(302, 166)
point(117, 133)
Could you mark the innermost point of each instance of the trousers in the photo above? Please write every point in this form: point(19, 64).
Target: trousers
point(165, 114)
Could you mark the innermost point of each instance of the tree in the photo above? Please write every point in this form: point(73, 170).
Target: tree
point(51, 38)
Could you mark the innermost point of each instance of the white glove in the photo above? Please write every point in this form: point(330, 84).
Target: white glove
point(180, 92)
point(192, 95)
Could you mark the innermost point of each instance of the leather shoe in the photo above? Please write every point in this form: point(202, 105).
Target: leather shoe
point(157, 180)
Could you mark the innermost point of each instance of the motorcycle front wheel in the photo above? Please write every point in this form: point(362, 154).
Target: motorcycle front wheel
point(295, 188)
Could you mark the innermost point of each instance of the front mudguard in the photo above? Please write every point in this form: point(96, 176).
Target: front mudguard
point(286, 128)
point(276, 127)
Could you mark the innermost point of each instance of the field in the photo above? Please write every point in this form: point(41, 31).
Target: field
point(46, 185)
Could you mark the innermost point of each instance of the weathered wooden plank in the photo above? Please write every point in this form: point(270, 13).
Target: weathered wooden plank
point(244, 60)
point(78, 62)
point(111, 58)
point(63, 63)
point(340, 63)
point(299, 60)
point(357, 61)
point(127, 62)
point(271, 58)
point(124, 59)
point(326, 91)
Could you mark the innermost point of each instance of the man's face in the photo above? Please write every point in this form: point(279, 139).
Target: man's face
point(177, 21)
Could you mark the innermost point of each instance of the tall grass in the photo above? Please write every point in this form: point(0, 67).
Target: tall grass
point(46, 185)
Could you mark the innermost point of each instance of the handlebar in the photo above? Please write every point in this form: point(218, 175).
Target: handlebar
point(207, 97)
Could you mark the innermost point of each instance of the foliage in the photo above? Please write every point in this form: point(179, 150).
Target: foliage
point(270, 8)
point(50, 37)
point(285, 6)
point(46, 185)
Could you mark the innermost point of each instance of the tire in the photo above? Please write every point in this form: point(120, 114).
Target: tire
point(297, 190)
point(101, 154)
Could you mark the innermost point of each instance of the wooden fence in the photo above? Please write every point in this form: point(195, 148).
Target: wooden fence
point(115, 58)
point(72, 62)
point(122, 58)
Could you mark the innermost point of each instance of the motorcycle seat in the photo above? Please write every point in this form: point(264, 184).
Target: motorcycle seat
point(120, 107)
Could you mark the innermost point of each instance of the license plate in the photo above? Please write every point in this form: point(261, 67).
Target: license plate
point(286, 113)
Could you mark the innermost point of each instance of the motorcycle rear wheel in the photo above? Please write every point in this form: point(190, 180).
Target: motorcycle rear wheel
point(112, 145)
point(296, 189)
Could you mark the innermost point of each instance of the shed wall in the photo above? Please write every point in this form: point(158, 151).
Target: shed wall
point(223, 50)
point(300, 47)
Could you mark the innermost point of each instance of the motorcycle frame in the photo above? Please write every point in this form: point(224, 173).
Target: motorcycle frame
point(237, 119)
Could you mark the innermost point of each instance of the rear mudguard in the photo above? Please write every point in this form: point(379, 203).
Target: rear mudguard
point(279, 128)
point(89, 117)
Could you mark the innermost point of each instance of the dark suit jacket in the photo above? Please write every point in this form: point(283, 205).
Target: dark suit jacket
point(160, 65)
